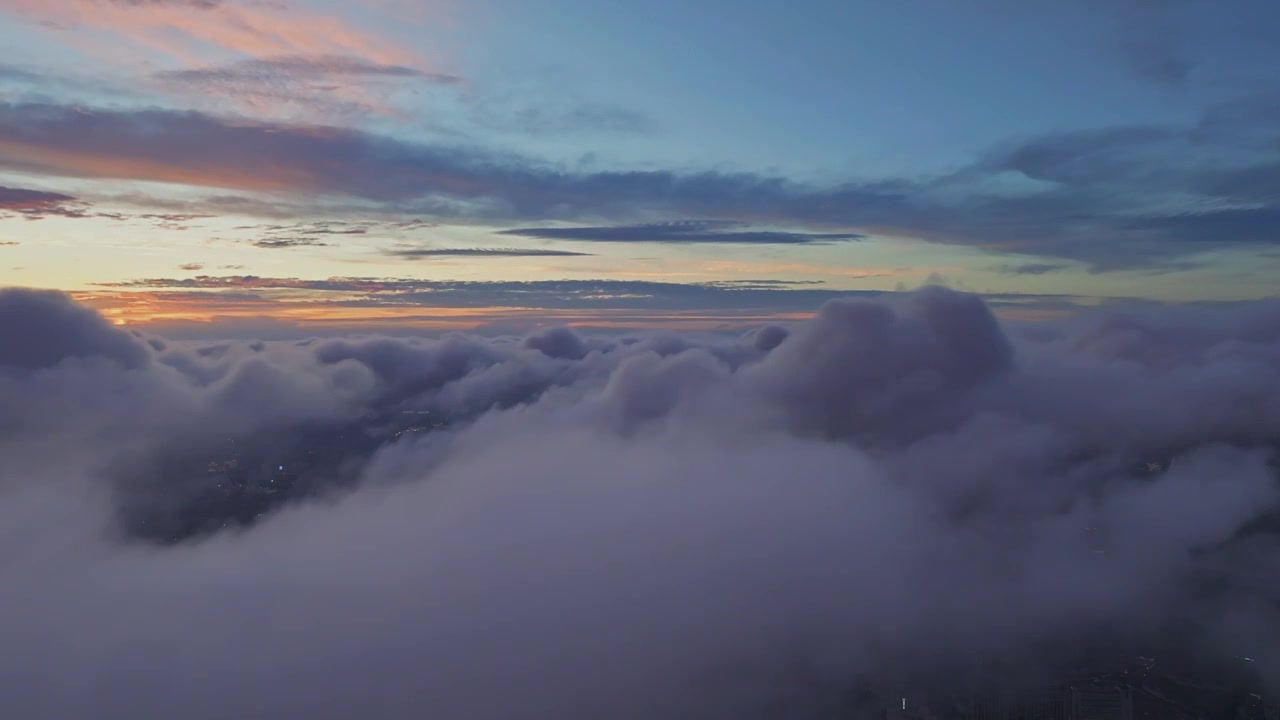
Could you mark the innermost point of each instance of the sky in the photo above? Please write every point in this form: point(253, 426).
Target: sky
point(784, 350)
point(493, 163)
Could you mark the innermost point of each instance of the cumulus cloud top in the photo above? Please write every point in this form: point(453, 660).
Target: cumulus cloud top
point(42, 329)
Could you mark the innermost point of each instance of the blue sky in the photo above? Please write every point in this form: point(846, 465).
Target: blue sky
point(1088, 150)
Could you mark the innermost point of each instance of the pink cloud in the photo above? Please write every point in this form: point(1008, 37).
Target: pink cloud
point(310, 53)
point(181, 28)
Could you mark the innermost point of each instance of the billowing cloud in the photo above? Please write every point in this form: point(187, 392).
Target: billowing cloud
point(801, 521)
point(52, 329)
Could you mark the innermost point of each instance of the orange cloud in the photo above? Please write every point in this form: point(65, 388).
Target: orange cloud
point(196, 149)
point(106, 164)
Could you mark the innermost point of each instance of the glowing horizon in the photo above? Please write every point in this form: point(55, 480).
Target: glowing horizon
point(449, 143)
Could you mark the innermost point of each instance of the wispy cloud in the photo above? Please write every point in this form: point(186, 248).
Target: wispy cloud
point(35, 81)
point(286, 242)
point(324, 227)
point(683, 231)
point(745, 296)
point(244, 303)
point(1032, 268)
point(37, 204)
point(284, 70)
point(21, 199)
point(410, 254)
point(330, 84)
point(258, 29)
point(278, 236)
point(540, 294)
point(1112, 198)
point(1151, 38)
point(193, 4)
point(170, 221)
point(1212, 226)
point(232, 314)
point(551, 117)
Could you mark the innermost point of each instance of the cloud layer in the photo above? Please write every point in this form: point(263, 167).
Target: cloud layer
point(685, 231)
point(412, 253)
point(1112, 197)
point(37, 204)
point(635, 527)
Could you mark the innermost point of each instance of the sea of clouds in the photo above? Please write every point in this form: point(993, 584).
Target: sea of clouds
point(662, 526)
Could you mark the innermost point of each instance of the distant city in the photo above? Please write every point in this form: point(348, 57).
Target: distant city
point(1142, 691)
point(241, 479)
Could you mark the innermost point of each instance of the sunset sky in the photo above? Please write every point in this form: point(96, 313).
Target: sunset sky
point(494, 163)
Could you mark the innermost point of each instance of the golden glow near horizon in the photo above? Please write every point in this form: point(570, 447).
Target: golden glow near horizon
point(158, 309)
point(223, 249)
